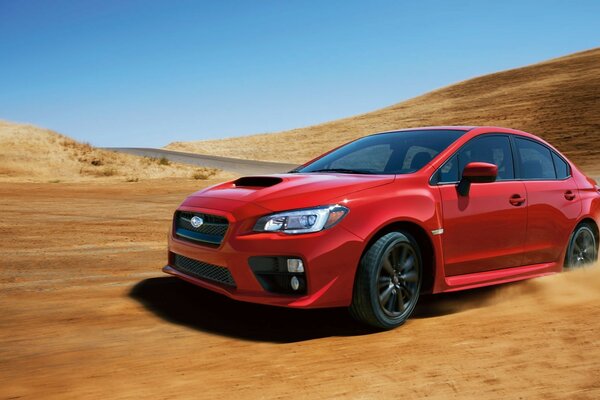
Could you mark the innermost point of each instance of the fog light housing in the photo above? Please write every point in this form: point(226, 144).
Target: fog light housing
point(280, 274)
point(295, 266)
point(295, 283)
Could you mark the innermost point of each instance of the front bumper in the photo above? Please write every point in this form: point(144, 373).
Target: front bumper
point(330, 259)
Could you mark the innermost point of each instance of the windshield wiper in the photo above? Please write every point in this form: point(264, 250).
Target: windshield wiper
point(342, 170)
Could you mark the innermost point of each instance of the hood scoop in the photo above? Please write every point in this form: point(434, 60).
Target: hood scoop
point(257, 181)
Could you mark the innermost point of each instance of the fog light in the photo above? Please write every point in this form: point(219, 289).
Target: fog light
point(295, 266)
point(295, 283)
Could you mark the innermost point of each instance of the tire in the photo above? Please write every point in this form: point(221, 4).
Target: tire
point(583, 246)
point(388, 281)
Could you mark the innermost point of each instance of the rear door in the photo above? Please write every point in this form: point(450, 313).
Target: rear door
point(553, 204)
point(484, 230)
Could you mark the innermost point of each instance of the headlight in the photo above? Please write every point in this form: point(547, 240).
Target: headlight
point(302, 221)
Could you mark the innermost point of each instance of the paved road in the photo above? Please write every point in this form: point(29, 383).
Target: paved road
point(235, 165)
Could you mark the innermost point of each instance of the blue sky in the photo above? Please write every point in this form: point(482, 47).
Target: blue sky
point(145, 73)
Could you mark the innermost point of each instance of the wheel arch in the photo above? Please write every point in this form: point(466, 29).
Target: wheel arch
point(423, 240)
point(596, 230)
point(592, 222)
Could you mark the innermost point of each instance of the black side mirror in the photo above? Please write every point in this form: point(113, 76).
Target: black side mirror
point(476, 172)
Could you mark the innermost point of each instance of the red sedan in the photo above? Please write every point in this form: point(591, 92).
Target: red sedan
point(374, 223)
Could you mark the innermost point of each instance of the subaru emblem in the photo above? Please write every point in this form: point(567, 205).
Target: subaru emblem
point(196, 221)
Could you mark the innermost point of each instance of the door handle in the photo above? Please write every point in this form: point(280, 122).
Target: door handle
point(516, 200)
point(569, 195)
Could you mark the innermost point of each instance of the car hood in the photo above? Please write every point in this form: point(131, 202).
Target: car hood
point(288, 191)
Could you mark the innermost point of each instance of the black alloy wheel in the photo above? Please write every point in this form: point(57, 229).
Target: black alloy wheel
point(388, 281)
point(398, 278)
point(583, 247)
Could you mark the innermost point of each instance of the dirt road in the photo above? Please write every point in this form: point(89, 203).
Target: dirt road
point(86, 313)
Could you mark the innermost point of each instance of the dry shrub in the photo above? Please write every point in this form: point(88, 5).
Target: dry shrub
point(204, 173)
point(69, 144)
point(164, 161)
point(109, 171)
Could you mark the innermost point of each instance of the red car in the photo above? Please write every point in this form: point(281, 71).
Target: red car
point(374, 223)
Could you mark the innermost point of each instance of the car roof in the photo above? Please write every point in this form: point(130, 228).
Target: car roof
point(431, 128)
point(472, 131)
point(465, 128)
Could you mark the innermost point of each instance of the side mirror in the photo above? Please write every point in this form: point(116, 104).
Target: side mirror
point(476, 172)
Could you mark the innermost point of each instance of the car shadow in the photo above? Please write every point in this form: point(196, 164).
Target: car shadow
point(185, 304)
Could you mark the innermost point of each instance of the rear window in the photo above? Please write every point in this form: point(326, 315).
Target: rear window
point(535, 160)
point(560, 166)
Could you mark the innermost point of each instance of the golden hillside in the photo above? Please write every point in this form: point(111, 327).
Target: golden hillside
point(558, 100)
point(29, 153)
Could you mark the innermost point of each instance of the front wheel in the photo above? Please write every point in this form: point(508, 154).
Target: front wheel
point(388, 281)
point(583, 247)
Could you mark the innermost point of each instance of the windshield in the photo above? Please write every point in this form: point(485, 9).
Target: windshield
point(386, 153)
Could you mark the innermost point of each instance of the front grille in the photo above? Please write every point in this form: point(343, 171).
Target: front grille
point(202, 270)
point(211, 232)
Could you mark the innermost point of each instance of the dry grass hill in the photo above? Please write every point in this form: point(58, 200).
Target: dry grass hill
point(29, 153)
point(558, 100)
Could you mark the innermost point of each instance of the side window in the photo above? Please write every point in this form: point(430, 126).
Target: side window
point(535, 160)
point(449, 171)
point(560, 166)
point(490, 149)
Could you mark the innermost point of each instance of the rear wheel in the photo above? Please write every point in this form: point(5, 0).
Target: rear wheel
point(388, 281)
point(583, 246)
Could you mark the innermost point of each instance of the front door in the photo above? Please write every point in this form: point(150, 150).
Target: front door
point(485, 230)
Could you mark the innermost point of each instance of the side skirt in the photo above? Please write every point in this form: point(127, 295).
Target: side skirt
point(487, 278)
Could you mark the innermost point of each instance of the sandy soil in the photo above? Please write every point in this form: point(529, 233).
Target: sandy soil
point(559, 100)
point(86, 313)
